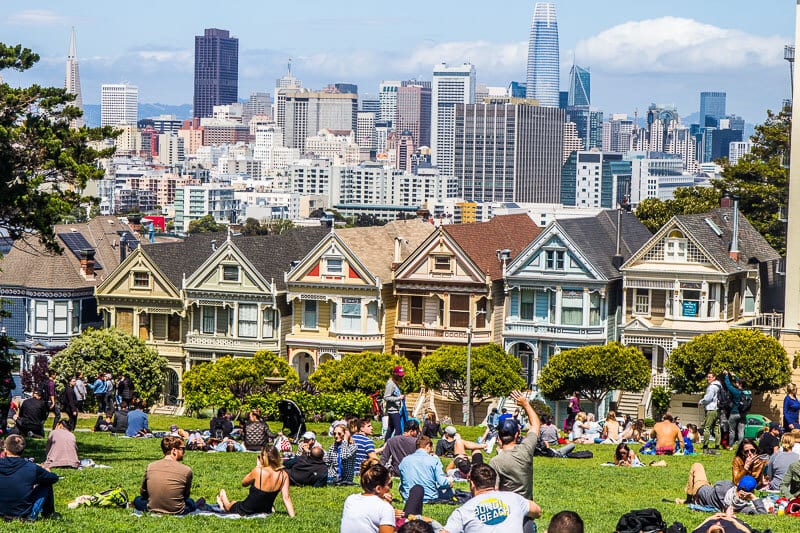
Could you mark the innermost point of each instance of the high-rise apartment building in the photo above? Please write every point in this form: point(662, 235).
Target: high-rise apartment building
point(580, 89)
point(509, 151)
point(119, 104)
point(414, 113)
point(588, 180)
point(72, 80)
point(712, 105)
point(738, 149)
point(307, 112)
point(259, 103)
point(387, 98)
point(572, 142)
point(365, 131)
point(617, 133)
point(216, 71)
point(543, 56)
point(450, 86)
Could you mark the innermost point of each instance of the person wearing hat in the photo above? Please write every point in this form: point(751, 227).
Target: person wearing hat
point(393, 398)
point(309, 441)
point(451, 444)
point(722, 494)
point(770, 440)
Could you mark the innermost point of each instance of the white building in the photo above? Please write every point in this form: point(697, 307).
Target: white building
point(338, 146)
point(738, 149)
point(308, 112)
point(170, 149)
point(119, 104)
point(267, 205)
point(387, 99)
point(270, 151)
point(193, 202)
point(450, 86)
point(648, 169)
point(365, 131)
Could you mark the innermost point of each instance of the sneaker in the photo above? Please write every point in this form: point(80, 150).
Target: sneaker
point(708, 451)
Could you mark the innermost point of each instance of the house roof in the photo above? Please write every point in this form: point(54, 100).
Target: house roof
point(375, 246)
point(597, 238)
point(29, 264)
point(481, 240)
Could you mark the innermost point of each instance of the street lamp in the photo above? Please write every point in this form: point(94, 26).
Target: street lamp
point(468, 399)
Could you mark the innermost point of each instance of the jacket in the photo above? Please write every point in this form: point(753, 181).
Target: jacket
point(17, 479)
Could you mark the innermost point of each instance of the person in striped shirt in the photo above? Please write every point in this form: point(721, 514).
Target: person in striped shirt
point(363, 440)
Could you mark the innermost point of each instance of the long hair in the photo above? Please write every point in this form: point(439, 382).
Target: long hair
point(740, 449)
point(374, 476)
point(271, 457)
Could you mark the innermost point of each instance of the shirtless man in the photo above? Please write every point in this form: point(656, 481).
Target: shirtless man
point(667, 433)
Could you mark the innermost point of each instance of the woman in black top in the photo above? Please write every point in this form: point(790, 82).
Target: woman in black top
point(431, 427)
point(265, 481)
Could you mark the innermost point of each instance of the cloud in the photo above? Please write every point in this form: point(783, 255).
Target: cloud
point(677, 45)
point(37, 17)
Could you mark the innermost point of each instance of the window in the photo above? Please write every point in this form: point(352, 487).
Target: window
point(481, 312)
point(159, 323)
point(209, 319)
point(351, 315)
point(60, 314)
point(41, 317)
point(248, 320)
point(224, 320)
point(554, 259)
point(526, 304)
point(230, 272)
point(76, 316)
point(690, 303)
point(174, 328)
point(309, 314)
point(594, 309)
point(417, 310)
point(441, 263)
point(141, 280)
point(675, 246)
point(459, 311)
point(268, 327)
point(124, 320)
point(572, 307)
point(372, 317)
point(334, 266)
point(641, 302)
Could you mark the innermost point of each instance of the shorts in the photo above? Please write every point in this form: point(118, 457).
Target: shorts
point(665, 450)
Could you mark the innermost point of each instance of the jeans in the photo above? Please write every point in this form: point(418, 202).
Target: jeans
point(56, 414)
point(42, 502)
point(140, 504)
point(736, 428)
point(101, 402)
point(394, 426)
point(564, 450)
point(709, 423)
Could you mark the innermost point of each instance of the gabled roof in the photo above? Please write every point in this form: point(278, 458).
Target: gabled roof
point(596, 237)
point(481, 240)
point(375, 246)
point(176, 259)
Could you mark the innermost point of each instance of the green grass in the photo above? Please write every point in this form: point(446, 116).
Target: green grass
point(599, 494)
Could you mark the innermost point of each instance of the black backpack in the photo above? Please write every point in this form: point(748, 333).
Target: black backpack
point(724, 397)
point(641, 521)
point(745, 401)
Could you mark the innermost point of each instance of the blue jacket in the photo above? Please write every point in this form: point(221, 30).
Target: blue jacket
point(736, 394)
point(137, 421)
point(17, 479)
point(99, 386)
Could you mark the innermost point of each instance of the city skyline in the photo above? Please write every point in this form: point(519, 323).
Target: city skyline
point(637, 54)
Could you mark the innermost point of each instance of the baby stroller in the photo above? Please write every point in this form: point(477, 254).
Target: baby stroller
point(292, 418)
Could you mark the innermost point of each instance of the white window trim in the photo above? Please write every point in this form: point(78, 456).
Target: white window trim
point(136, 287)
point(649, 303)
point(222, 273)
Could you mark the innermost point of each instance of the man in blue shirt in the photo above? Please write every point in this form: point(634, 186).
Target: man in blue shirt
point(26, 489)
point(424, 469)
point(99, 390)
point(137, 421)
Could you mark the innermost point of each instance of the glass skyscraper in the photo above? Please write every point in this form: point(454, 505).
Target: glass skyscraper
point(216, 71)
point(543, 62)
point(712, 104)
point(579, 86)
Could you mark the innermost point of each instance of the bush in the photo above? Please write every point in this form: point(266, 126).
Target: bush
point(364, 372)
point(316, 407)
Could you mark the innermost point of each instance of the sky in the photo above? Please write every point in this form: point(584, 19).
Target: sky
point(639, 52)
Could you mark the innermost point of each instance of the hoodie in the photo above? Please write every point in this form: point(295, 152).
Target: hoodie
point(17, 479)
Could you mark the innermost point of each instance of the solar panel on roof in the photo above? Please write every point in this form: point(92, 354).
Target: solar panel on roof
point(129, 239)
point(77, 242)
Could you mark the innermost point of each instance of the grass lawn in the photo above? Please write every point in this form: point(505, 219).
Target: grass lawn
point(599, 494)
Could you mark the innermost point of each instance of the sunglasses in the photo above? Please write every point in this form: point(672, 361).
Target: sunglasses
point(749, 450)
point(338, 434)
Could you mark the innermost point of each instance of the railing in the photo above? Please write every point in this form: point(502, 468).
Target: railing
point(768, 323)
point(516, 328)
point(439, 332)
point(227, 343)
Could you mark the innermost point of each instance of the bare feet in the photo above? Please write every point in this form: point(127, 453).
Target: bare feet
point(222, 500)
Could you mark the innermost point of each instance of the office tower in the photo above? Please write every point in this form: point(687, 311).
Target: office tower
point(72, 80)
point(516, 89)
point(738, 149)
point(346, 88)
point(579, 87)
point(620, 131)
point(369, 103)
point(365, 131)
point(648, 169)
point(387, 96)
point(712, 104)
point(589, 124)
point(734, 122)
point(414, 113)
point(382, 130)
point(288, 81)
point(119, 104)
point(400, 148)
point(588, 180)
point(308, 112)
point(572, 142)
point(259, 103)
point(543, 61)
point(563, 99)
point(508, 150)
point(216, 70)
point(721, 139)
point(451, 86)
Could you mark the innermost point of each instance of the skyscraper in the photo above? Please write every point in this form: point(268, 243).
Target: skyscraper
point(712, 104)
point(216, 71)
point(543, 62)
point(72, 81)
point(119, 104)
point(308, 112)
point(414, 113)
point(387, 97)
point(579, 86)
point(451, 86)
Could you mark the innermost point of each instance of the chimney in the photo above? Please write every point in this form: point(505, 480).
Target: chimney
point(734, 253)
point(725, 201)
point(123, 247)
point(617, 260)
point(213, 245)
point(87, 263)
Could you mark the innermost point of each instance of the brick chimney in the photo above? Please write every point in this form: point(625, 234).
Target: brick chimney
point(87, 264)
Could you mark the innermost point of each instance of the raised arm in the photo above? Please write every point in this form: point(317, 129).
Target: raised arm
point(522, 400)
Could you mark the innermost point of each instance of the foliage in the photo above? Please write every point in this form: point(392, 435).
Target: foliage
point(364, 372)
point(43, 162)
point(229, 382)
point(594, 371)
point(494, 372)
point(660, 399)
point(758, 359)
point(112, 350)
point(271, 227)
point(654, 213)
point(325, 406)
point(6, 368)
point(541, 408)
point(33, 378)
point(207, 224)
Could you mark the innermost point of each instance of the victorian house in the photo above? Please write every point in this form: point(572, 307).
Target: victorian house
point(565, 289)
point(450, 290)
point(341, 292)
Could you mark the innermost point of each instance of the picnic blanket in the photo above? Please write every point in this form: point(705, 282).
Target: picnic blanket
point(220, 514)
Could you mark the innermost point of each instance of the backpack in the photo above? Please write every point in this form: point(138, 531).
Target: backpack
point(641, 521)
point(44, 391)
point(724, 397)
point(580, 454)
point(745, 401)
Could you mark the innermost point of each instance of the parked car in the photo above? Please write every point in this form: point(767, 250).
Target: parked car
point(755, 425)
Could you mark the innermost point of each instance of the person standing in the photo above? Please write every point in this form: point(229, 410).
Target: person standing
point(711, 419)
point(80, 391)
point(735, 418)
point(393, 397)
point(167, 483)
point(125, 392)
point(70, 403)
point(53, 403)
point(99, 391)
point(573, 409)
point(110, 392)
point(791, 408)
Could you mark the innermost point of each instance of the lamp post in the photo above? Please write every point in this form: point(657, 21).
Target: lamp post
point(468, 394)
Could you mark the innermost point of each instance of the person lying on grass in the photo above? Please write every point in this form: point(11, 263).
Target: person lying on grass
point(722, 494)
point(624, 456)
point(266, 480)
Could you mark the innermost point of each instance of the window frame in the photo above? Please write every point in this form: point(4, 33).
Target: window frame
point(637, 306)
point(438, 263)
point(61, 320)
point(310, 315)
point(249, 322)
point(140, 279)
point(554, 260)
point(336, 271)
point(38, 319)
point(413, 310)
point(225, 271)
point(458, 317)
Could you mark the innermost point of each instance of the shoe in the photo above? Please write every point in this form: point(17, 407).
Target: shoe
point(708, 451)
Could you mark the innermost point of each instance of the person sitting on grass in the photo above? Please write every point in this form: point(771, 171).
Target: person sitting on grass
point(565, 522)
point(579, 429)
point(691, 436)
point(341, 458)
point(256, 432)
point(221, 425)
point(451, 444)
point(722, 494)
point(370, 512)
point(363, 441)
point(266, 480)
point(31, 415)
point(26, 489)
point(120, 420)
point(593, 429)
point(167, 483)
point(780, 462)
point(624, 456)
point(611, 431)
point(748, 463)
point(137, 421)
point(309, 470)
point(62, 448)
point(423, 468)
point(668, 436)
point(104, 423)
point(635, 432)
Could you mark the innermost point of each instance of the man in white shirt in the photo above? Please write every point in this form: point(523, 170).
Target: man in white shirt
point(711, 420)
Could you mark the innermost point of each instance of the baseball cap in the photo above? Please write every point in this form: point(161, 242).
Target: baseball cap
point(308, 435)
point(399, 371)
point(412, 424)
point(747, 484)
point(463, 464)
point(508, 427)
point(450, 430)
point(774, 425)
point(173, 427)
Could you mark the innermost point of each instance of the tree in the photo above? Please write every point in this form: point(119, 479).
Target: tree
point(229, 382)
point(44, 164)
point(494, 372)
point(277, 226)
point(654, 213)
point(112, 350)
point(594, 371)
point(207, 224)
point(758, 359)
point(364, 372)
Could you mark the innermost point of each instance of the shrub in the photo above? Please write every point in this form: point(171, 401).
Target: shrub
point(364, 372)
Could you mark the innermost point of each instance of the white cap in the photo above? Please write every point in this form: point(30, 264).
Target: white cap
point(308, 435)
